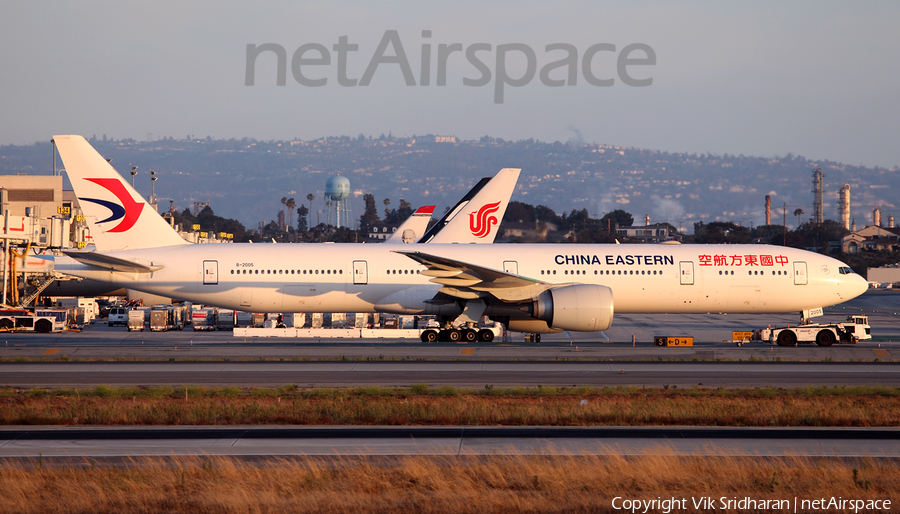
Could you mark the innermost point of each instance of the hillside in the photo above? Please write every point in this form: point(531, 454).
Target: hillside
point(245, 179)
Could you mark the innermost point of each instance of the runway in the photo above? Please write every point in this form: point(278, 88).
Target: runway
point(471, 374)
point(115, 442)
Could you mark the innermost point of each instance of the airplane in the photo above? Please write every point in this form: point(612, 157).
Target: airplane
point(491, 193)
point(408, 231)
point(536, 288)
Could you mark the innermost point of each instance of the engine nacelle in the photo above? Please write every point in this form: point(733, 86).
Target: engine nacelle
point(581, 308)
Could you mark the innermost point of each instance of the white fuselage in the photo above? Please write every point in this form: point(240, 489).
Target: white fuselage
point(374, 278)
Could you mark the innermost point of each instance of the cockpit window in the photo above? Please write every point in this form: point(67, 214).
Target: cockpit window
point(845, 270)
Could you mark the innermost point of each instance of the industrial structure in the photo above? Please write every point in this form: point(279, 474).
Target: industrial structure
point(768, 210)
point(337, 202)
point(819, 198)
point(844, 206)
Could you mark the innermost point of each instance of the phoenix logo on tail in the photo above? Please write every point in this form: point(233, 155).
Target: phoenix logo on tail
point(480, 223)
point(129, 211)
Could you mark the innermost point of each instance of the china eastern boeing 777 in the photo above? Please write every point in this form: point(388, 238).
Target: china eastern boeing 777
point(528, 287)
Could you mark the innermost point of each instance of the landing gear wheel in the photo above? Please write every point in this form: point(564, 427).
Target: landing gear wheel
point(485, 335)
point(536, 337)
point(469, 335)
point(825, 338)
point(43, 326)
point(429, 336)
point(453, 335)
point(786, 338)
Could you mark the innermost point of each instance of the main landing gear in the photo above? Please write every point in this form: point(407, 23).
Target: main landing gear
point(453, 335)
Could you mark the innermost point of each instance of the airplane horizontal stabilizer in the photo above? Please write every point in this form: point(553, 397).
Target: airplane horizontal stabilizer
point(113, 263)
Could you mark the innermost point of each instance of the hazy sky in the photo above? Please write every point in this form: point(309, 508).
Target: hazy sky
point(818, 79)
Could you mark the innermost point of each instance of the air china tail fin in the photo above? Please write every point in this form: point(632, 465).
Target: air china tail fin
point(117, 215)
point(476, 218)
point(413, 228)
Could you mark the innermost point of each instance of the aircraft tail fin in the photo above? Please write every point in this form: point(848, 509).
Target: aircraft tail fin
point(476, 218)
point(117, 215)
point(414, 226)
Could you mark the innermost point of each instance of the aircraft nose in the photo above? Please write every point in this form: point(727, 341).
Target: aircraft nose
point(858, 285)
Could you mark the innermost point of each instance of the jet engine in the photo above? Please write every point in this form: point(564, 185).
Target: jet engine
point(581, 307)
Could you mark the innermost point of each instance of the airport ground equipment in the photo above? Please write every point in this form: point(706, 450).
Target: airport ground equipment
point(135, 320)
point(20, 320)
point(467, 334)
point(60, 317)
point(855, 329)
point(117, 316)
point(203, 319)
point(225, 319)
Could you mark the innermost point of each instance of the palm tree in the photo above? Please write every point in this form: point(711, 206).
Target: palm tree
point(798, 213)
point(310, 197)
point(387, 212)
point(290, 206)
point(283, 202)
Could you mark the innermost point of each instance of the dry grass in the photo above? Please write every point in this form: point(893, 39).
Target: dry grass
point(429, 484)
point(859, 407)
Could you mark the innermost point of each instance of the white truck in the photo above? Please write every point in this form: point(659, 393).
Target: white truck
point(855, 329)
point(90, 306)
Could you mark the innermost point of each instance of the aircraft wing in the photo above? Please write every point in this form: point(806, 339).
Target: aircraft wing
point(470, 281)
point(113, 263)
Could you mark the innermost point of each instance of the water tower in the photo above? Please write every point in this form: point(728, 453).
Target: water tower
point(337, 202)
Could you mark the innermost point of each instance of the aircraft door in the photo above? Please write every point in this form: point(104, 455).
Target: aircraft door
point(800, 277)
point(687, 273)
point(511, 267)
point(211, 272)
point(360, 272)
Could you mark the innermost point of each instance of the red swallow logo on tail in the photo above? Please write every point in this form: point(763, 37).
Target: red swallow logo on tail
point(129, 211)
point(480, 223)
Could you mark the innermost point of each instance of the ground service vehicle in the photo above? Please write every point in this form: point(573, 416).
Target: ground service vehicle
point(14, 320)
point(135, 320)
point(856, 328)
point(117, 316)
